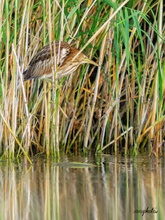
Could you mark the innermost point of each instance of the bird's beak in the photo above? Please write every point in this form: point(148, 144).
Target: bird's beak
point(86, 60)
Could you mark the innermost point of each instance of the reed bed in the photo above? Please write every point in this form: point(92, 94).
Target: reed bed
point(116, 107)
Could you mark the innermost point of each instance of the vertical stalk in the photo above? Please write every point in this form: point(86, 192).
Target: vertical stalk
point(102, 51)
point(47, 119)
point(6, 70)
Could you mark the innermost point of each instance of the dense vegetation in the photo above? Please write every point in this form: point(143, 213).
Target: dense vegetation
point(116, 107)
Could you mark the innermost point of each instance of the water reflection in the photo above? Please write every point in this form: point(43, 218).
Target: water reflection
point(112, 189)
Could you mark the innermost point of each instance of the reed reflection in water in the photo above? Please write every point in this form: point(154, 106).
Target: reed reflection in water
point(112, 190)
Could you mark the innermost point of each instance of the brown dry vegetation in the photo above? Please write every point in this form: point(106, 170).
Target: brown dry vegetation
point(114, 108)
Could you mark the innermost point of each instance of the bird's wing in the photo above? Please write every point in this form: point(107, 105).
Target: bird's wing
point(44, 59)
point(63, 49)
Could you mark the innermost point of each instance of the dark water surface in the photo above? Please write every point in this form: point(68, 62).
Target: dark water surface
point(84, 188)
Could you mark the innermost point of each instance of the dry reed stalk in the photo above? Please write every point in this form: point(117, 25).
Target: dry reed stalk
point(83, 110)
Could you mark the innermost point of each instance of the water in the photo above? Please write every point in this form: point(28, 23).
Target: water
point(84, 188)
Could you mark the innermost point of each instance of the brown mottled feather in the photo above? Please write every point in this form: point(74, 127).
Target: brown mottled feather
point(45, 63)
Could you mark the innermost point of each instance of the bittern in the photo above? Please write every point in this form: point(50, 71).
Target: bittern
point(58, 58)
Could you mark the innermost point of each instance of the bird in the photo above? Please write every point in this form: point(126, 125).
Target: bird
point(57, 58)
